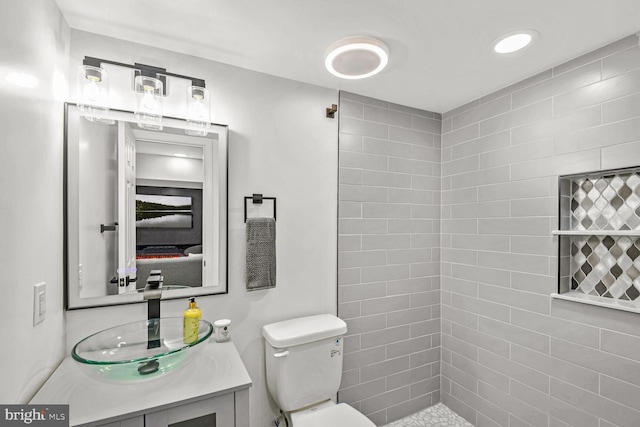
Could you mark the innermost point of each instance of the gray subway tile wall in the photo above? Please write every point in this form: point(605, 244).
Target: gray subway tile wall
point(388, 256)
point(512, 356)
point(469, 199)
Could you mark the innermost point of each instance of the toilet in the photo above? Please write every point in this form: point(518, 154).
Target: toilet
point(304, 370)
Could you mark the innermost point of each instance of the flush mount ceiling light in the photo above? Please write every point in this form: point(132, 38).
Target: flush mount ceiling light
point(356, 57)
point(514, 41)
point(150, 86)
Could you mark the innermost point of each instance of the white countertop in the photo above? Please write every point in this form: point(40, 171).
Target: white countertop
point(217, 370)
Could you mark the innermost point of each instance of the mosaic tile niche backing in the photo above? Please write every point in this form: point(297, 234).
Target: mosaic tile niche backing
point(610, 202)
point(604, 265)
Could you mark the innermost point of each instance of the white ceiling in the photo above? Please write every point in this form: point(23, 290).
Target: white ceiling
point(439, 56)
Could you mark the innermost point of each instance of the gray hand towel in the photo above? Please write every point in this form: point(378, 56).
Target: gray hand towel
point(261, 253)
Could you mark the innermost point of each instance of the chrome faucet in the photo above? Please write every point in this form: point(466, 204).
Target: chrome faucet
point(152, 294)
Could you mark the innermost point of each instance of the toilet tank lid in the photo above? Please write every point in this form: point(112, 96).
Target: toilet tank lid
point(303, 330)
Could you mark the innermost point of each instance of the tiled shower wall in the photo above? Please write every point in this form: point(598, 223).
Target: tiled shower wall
point(511, 356)
point(388, 263)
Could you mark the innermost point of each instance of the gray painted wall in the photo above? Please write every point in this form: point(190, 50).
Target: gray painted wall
point(388, 261)
point(280, 144)
point(35, 41)
point(511, 356)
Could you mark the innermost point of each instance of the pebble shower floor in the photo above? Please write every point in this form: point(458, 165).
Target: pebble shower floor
point(437, 415)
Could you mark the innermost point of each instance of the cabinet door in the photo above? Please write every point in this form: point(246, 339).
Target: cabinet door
point(213, 412)
point(131, 422)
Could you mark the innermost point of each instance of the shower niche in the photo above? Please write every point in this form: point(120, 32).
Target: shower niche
point(599, 238)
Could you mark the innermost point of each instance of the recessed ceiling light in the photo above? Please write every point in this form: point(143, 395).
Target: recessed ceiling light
point(356, 57)
point(22, 80)
point(514, 41)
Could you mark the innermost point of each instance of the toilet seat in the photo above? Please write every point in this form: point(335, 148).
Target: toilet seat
point(340, 415)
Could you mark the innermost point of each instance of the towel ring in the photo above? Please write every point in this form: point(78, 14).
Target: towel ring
point(257, 200)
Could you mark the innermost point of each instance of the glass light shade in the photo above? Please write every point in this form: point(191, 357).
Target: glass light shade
point(148, 110)
point(198, 111)
point(93, 93)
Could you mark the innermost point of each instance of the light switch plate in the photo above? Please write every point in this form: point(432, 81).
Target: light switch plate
point(39, 302)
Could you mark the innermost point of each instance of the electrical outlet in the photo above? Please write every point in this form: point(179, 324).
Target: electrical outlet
point(39, 302)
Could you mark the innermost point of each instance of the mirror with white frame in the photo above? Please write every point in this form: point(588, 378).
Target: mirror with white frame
point(138, 201)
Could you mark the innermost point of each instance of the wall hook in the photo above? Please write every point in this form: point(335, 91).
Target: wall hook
point(332, 111)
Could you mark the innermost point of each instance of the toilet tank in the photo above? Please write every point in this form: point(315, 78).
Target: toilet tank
point(304, 359)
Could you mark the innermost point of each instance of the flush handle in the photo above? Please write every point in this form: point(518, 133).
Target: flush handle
point(281, 354)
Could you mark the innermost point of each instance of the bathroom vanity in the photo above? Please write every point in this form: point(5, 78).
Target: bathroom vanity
point(213, 386)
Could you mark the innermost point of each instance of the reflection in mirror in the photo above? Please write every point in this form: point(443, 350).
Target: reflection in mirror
point(139, 201)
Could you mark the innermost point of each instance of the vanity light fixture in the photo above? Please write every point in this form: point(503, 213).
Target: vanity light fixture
point(356, 57)
point(93, 90)
point(148, 111)
point(514, 41)
point(150, 87)
point(198, 111)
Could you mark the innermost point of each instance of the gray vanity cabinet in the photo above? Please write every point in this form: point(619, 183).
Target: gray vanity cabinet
point(129, 422)
point(214, 386)
point(213, 412)
point(220, 410)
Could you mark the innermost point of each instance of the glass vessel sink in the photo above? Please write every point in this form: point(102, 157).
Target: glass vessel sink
point(139, 350)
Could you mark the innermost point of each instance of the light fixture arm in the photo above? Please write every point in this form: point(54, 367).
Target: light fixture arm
point(145, 70)
point(194, 81)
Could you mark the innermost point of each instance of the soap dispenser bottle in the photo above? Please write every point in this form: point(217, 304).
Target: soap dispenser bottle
point(191, 325)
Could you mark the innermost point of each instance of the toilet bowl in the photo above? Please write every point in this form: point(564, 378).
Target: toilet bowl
point(304, 368)
point(329, 414)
